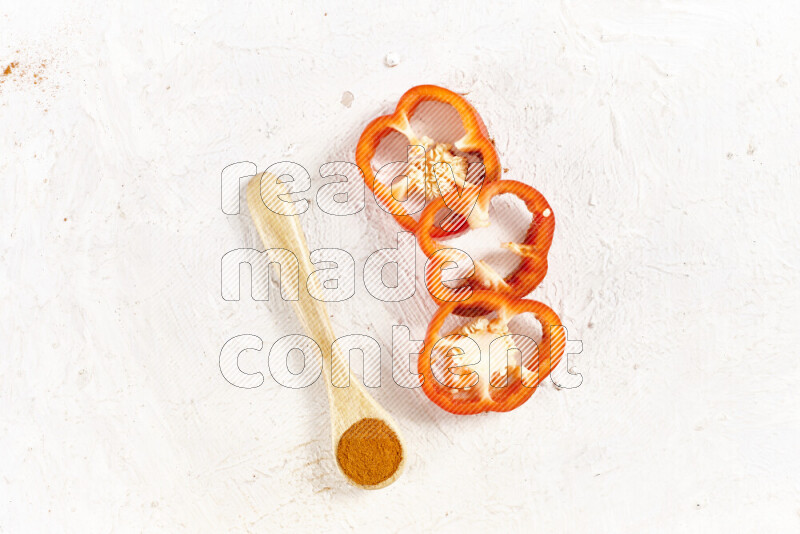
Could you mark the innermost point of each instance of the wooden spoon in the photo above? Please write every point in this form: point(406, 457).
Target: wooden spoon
point(350, 404)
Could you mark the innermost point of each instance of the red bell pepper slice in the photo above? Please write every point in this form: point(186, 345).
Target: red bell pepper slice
point(448, 367)
point(476, 140)
point(533, 250)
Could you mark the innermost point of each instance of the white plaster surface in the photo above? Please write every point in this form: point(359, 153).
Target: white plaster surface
point(666, 136)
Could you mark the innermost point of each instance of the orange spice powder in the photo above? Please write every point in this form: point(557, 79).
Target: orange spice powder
point(369, 452)
point(9, 68)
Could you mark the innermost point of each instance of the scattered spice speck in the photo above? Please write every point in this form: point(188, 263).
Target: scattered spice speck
point(20, 73)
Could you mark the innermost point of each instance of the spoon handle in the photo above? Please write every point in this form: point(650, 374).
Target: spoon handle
point(348, 404)
point(279, 231)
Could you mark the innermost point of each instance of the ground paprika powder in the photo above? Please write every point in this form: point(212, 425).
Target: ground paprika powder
point(369, 452)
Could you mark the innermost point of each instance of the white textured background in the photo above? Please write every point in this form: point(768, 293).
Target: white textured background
point(666, 136)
